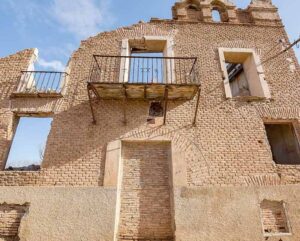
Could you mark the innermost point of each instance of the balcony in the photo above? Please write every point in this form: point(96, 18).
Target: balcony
point(40, 84)
point(144, 78)
point(118, 77)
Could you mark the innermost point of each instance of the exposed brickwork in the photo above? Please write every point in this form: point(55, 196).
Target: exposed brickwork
point(10, 219)
point(10, 72)
point(145, 196)
point(243, 16)
point(273, 217)
point(228, 146)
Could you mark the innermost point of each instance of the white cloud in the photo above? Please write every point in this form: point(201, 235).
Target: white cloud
point(64, 50)
point(52, 65)
point(82, 17)
point(24, 13)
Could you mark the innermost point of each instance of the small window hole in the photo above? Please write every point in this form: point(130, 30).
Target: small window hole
point(216, 16)
point(156, 110)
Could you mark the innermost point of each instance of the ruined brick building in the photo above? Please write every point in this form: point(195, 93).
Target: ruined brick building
point(176, 129)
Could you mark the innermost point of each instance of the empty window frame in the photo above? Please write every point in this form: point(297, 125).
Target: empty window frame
point(219, 12)
point(215, 14)
point(237, 80)
point(274, 218)
point(284, 143)
point(145, 62)
point(28, 146)
point(243, 74)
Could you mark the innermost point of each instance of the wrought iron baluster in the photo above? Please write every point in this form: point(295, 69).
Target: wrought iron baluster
point(171, 70)
point(54, 79)
point(36, 76)
point(43, 86)
point(138, 70)
point(143, 62)
point(152, 71)
point(162, 71)
point(156, 69)
point(58, 82)
point(47, 85)
point(24, 80)
point(133, 68)
point(30, 82)
point(62, 83)
point(129, 68)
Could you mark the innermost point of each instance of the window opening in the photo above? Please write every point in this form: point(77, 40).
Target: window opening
point(146, 67)
point(284, 143)
point(243, 74)
point(216, 16)
point(237, 79)
point(28, 146)
point(156, 110)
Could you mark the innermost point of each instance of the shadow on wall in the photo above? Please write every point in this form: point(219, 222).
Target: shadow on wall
point(74, 142)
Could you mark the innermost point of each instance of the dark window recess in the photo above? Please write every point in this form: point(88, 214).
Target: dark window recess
point(238, 80)
point(284, 143)
point(192, 7)
point(156, 109)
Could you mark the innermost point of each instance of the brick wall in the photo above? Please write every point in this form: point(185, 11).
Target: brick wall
point(10, 72)
point(145, 196)
point(273, 217)
point(228, 146)
point(10, 219)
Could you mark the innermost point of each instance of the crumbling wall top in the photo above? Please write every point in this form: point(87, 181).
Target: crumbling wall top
point(258, 12)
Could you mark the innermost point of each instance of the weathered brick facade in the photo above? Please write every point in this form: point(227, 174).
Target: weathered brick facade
point(10, 218)
point(146, 180)
point(228, 145)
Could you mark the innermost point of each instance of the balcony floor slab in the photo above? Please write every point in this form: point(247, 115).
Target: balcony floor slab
point(155, 91)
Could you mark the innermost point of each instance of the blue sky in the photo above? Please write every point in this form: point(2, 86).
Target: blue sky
point(56, 27)
point(29, 142)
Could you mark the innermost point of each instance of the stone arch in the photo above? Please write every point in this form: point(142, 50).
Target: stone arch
point(193, 10)
point(193, 3)
point(220, 6)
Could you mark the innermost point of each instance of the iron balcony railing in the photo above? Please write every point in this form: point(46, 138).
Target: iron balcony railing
point(144, 70)
point(48, 82)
